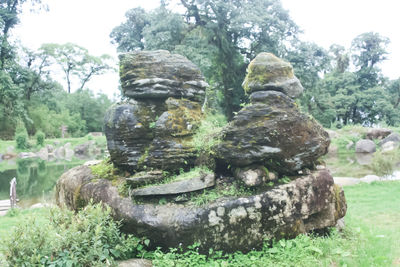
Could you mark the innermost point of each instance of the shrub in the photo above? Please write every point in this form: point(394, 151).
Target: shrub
point(207, 135)
point(105, 170)
point(21, 136)
point(89, 238)
point(383, 163)
point(40, 136)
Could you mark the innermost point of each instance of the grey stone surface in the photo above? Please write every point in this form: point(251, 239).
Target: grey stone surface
point(252, 176)
point(142, 178)
point(389, 146)
point(159, 75)
point(365, 146)
point(394, 137)
point(178, 187)
point(268, 72)
point(378, 133)
point(273, 133)
point(149, 134)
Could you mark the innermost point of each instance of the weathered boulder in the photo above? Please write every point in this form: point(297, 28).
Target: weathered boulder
point(82, 149)
point(377, 133)
point(129, 131)
point(268, 72)
point(365, 146)
point(142, 134)
point(252, 176)
point(159, 75)
point(389, 146)
point(241, 223)
point(393, 137)
point(272, 132)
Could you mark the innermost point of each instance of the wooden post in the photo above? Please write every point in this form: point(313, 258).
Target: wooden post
point(13, 192)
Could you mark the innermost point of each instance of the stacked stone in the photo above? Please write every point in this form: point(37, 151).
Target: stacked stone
point(153, 128)
point(271, 132)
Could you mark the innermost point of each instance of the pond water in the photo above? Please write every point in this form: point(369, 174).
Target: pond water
point(36, 178)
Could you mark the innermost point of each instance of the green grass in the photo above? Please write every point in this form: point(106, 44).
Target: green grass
point(371, 237)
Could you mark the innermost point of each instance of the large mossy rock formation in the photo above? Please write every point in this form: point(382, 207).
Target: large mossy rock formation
point(231, 224)
point(246, 199)
point(272, 132)
point(154, 128)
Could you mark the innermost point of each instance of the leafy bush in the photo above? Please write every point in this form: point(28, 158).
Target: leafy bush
point(207, 135)
point(105, 170)
point(21, 136)
point(384, 163)
point(40, 136)
point(304, 250)
point(89, 238)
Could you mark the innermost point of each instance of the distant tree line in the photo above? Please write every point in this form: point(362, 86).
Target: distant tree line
point(342, 86)
point(29, 93)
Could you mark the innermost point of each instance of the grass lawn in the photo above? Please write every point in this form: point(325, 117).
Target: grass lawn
point(371, 237)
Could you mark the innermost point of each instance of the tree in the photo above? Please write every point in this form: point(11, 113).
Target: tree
point(341, 58)
point(129, 35)
point(368, 50)
point(9, 11)
point(229, 33)
point(75, 61)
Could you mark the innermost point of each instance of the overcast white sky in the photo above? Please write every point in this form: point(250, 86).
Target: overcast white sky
point(88, 23)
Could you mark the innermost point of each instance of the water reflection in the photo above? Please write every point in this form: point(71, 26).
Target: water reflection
point(364, 158)
point(36, 179)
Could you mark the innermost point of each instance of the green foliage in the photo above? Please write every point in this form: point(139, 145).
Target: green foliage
point(105, 170)
point(305, 250)
point(40, 136)
point(76, 62)
point(209, 195)
point(21, 136)
point(207, 135)
point(220, 46)
point(89, 238)
point(383, 163)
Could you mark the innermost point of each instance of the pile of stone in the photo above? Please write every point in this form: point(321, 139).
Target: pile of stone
point(267, 141)
point(153, 128)
point(271, 132)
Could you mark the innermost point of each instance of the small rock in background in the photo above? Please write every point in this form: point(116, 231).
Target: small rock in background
point(365, 146)
point(43, 153)
point(389, 146)
point(378, 133)
point(394, 137)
